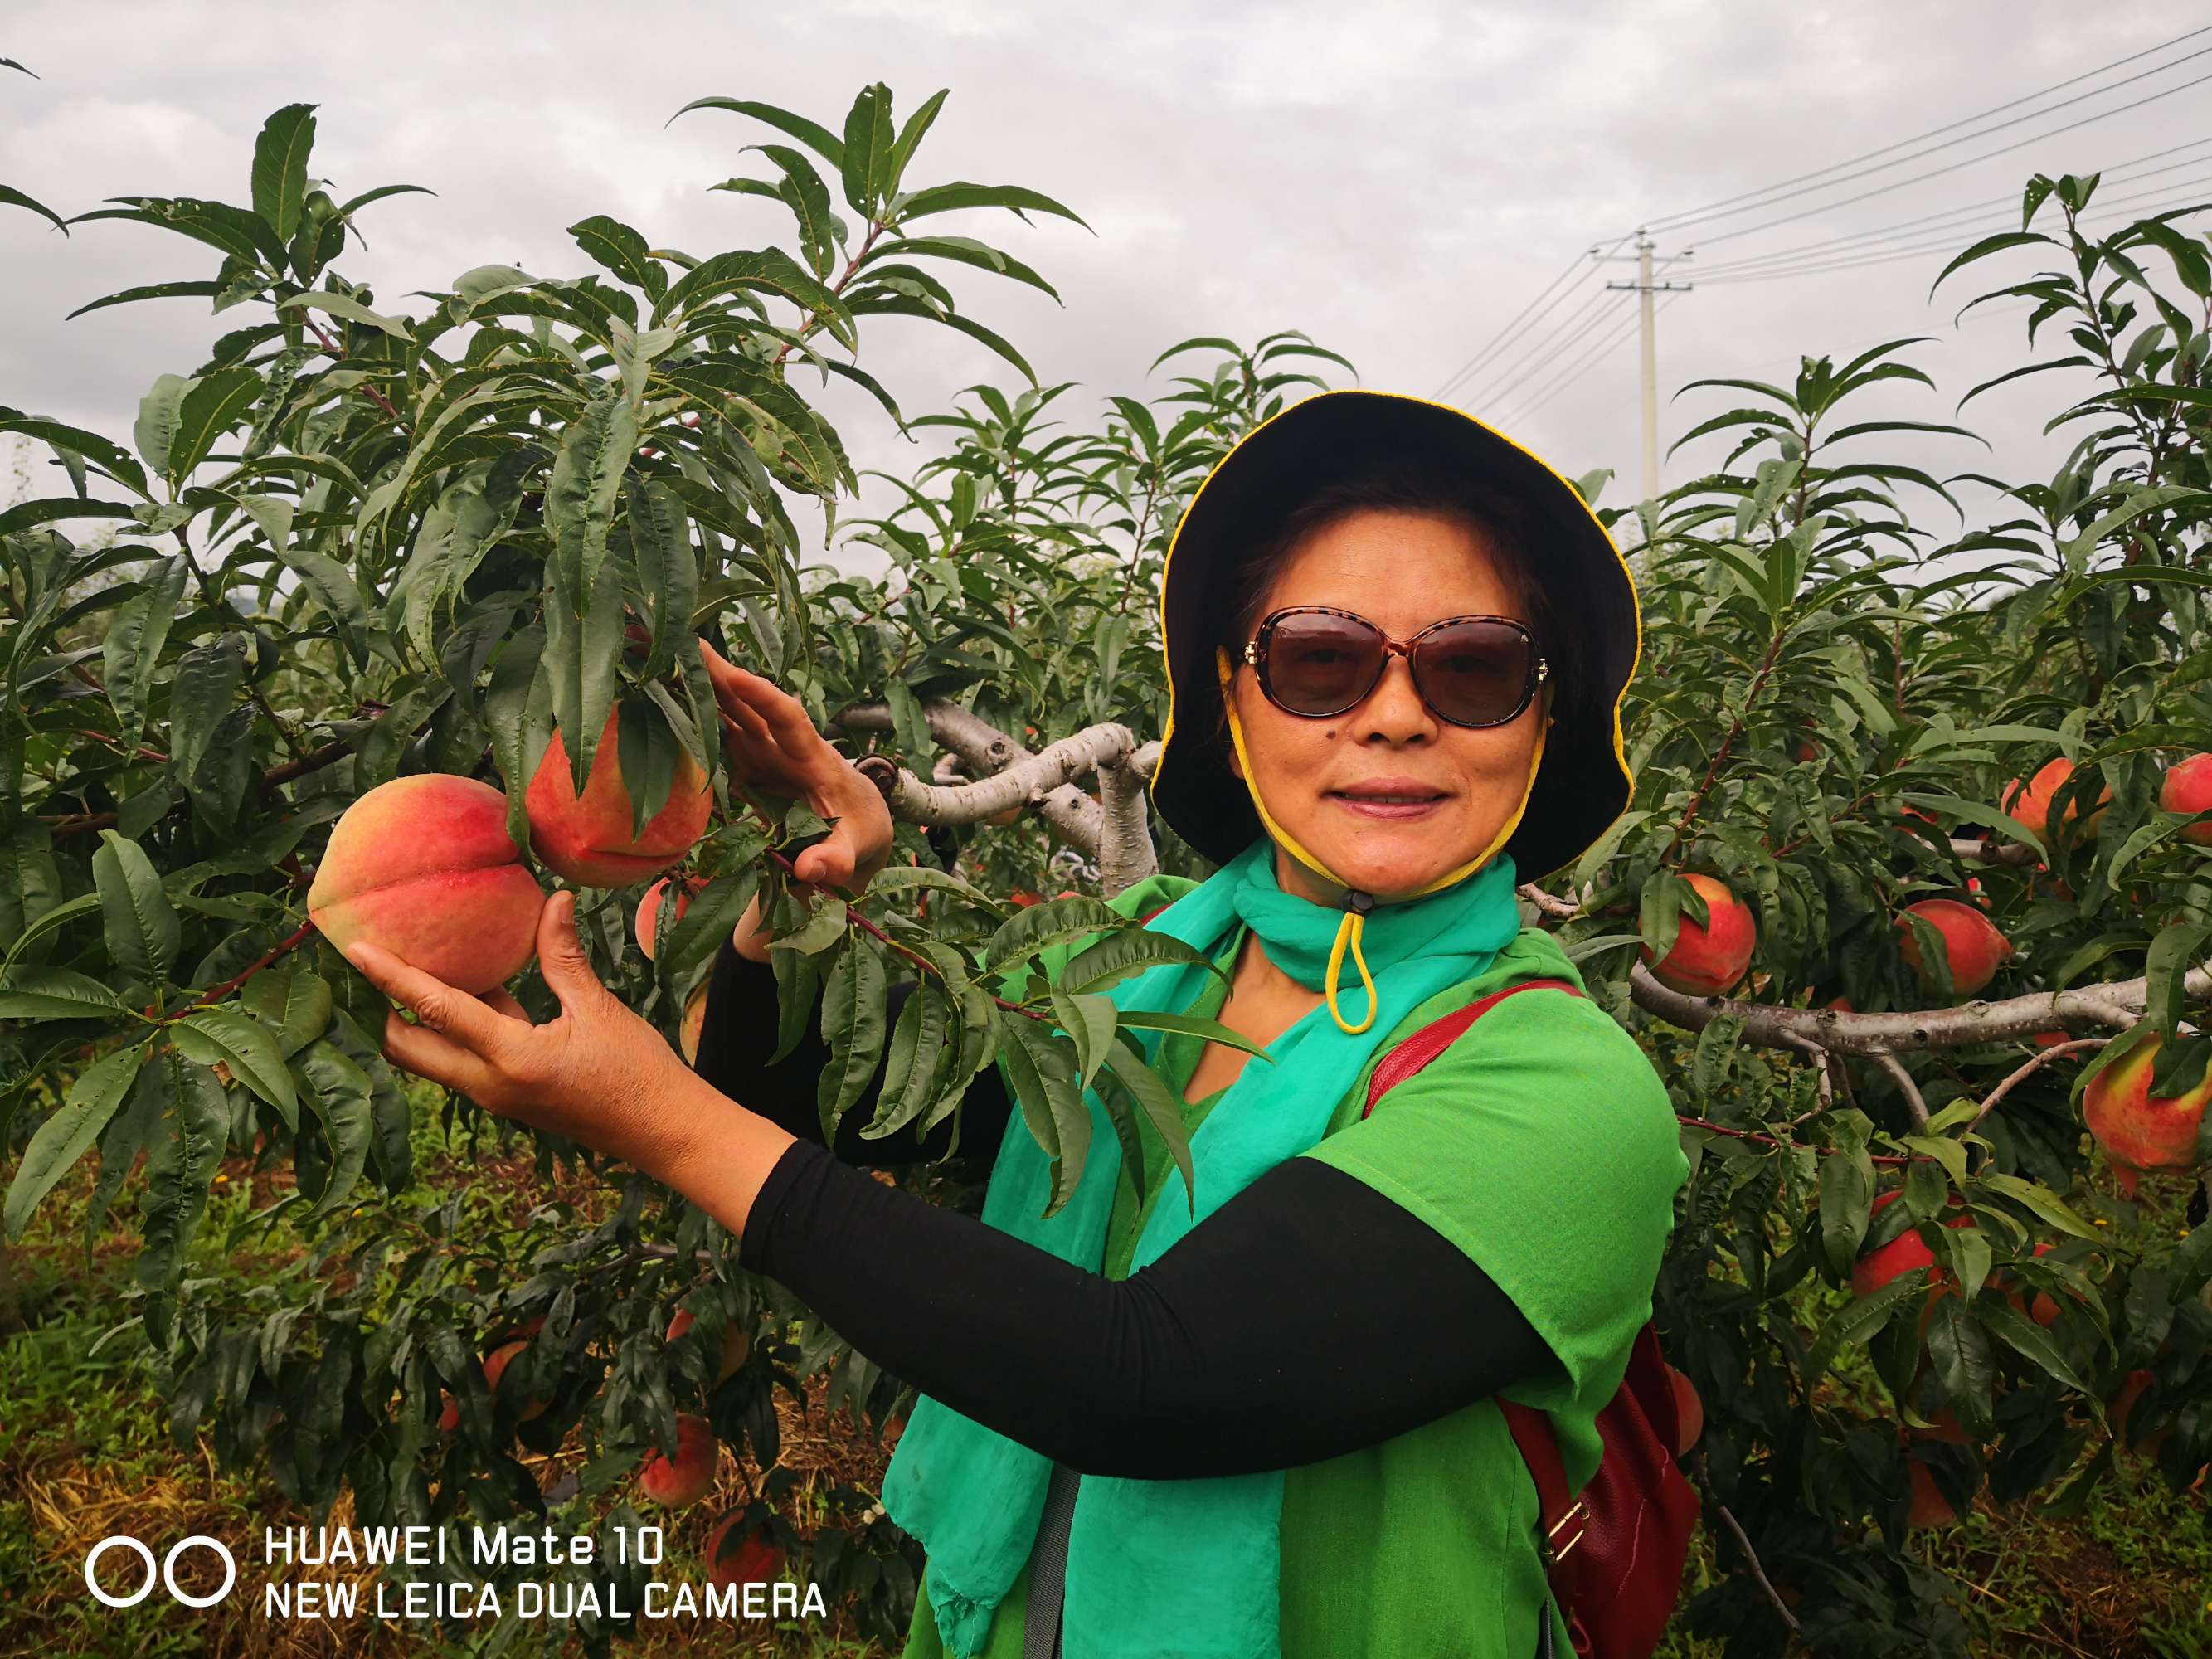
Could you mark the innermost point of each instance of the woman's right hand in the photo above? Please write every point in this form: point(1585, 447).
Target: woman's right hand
point(772, 746)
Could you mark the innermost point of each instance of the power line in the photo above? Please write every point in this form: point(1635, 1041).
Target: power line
point(1597, 322)
point(1586, 363)
point(2009, 199)
point(1564, 328)
point(1713, 208)
point(1475, 362)
point(1947, 242)
point(1936, 173)
point(1945, 235)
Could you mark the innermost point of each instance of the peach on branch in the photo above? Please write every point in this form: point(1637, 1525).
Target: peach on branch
point(2032, 804)
point(1975, 947)
point(746, 1555)
point(1930, 1507)
point(1689, 1410)
point(689, 1475)
point(1901, 1254)
point(2187, 787)
point(695, 1022)
point(2140, 1131)
point(495, 1367)
point(423, 868)
point(588, 838)
point(1708, 960)
point(735, 1346)
point(648, 909)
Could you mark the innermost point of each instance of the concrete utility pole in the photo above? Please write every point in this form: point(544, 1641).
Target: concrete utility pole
point(1644, 288)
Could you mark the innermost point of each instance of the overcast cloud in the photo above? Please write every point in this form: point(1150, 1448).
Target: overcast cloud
point(1397, 179)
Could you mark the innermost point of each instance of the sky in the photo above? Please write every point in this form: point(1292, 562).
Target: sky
point(1397, 179)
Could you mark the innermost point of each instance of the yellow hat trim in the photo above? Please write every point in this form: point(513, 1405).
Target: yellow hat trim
point(1356, 901)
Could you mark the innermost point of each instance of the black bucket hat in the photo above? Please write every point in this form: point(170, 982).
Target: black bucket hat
point(1581, 781)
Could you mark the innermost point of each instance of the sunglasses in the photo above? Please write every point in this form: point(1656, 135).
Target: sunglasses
point(1315, 661)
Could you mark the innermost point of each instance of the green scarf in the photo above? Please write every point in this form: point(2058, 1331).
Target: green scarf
point(1187, 1568)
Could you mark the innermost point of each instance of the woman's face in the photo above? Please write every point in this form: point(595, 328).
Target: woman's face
point(1401, 570)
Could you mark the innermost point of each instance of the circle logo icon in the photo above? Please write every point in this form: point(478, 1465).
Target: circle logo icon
point(167, 1572)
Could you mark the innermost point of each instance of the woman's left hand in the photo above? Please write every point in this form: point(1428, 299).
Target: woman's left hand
point(598, 1074)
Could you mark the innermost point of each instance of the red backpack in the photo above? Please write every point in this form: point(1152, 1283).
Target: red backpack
point(1613, 1552)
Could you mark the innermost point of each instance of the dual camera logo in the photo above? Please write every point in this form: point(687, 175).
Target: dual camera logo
point(166, 1571)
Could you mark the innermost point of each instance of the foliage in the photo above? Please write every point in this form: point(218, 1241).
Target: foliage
point(360, 543)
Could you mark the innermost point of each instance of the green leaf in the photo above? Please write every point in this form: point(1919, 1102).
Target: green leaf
point(157, 420)
point(622, 251)
point(206, 684)
point(946, 198)
point(869, 144)
point(131, 1132)
point(667, 570)
point(582, 666)
point(1089, 1020)
point(1053, 1107)
point(507, 713)
point(961, 249)
point(142, 929)
point(1963, 1364)
point(918, 1057)
point(581, 495)
point(1132, 951)
point(15, 197)
point(224, 1035)
point(853, 1025)
point(134, 642)
point(351, 310)
point(910, 135)
point(89, 444)
point(1038, 928)
point(823, 928)
point(339, 1093)
point(68, 1133)
point(1858, 1323)
point(1165, 1112)
point(296, 1007)
point(36, 993)
point(209, 408)
point(1984, 248)
point(1147, 1019)
point(2027, 1338)
point(817, 138)
point(178, 1176)
point(2044, 1203)
point(280, 167)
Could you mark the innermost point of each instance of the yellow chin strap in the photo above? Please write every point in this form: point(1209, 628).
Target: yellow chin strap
point(1357, 903)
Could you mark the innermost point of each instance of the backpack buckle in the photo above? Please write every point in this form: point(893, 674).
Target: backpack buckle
point(1555, 1550)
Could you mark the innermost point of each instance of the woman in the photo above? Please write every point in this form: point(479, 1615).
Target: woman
point(1253, 1416)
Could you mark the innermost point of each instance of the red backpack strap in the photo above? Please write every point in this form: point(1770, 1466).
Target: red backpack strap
point(1438, 1035)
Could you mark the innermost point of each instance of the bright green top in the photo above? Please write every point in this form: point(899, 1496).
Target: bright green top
point(1426, 1543)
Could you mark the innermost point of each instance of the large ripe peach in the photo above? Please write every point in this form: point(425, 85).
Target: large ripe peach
point(1974, 947)
point(2188, 788)
point(648, 910)
point(589, 839)
point(1689, 1410)
point(423, 868)
point(2032, 806)
point(1901, 1254)
point(735, 1346)
point(751, 1557)
point(1930, 1507)
point(2137, 1131)
point(1709, 961)
point(689, 1475)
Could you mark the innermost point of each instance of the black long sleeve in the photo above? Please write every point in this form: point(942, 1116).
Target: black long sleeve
point(1307, 1317)
point(739, 1032)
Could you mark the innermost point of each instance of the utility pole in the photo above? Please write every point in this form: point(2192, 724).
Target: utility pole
point(1645, 287)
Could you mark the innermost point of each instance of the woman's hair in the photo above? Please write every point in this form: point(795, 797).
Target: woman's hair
point(1409, 483)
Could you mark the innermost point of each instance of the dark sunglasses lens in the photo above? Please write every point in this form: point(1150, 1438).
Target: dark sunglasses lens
point(1320, 665)
point(1474, 672)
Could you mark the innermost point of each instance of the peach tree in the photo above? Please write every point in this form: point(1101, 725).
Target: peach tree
point(366, 541)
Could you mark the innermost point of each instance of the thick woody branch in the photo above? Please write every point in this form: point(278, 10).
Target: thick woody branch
point(1113, 830)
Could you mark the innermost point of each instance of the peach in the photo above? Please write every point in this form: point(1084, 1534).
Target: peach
point(2043, 1309)
point(751, 1557)
point(422, 867)
point(2137, 1131)
point(1975, 947)
point(1930, 1507)
point(1901, 1254)
point(1806, 751)
point(2188, 788)
point(587, 839)
point(2032, 805)
point(648, 909)
point(735, 1346)
point(495, 1367)
point(2124, 1403)
point(689, 1475)
point(1707, 962)
point(1021, 898)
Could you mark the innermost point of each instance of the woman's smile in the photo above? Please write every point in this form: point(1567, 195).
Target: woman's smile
point(1394, 798)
